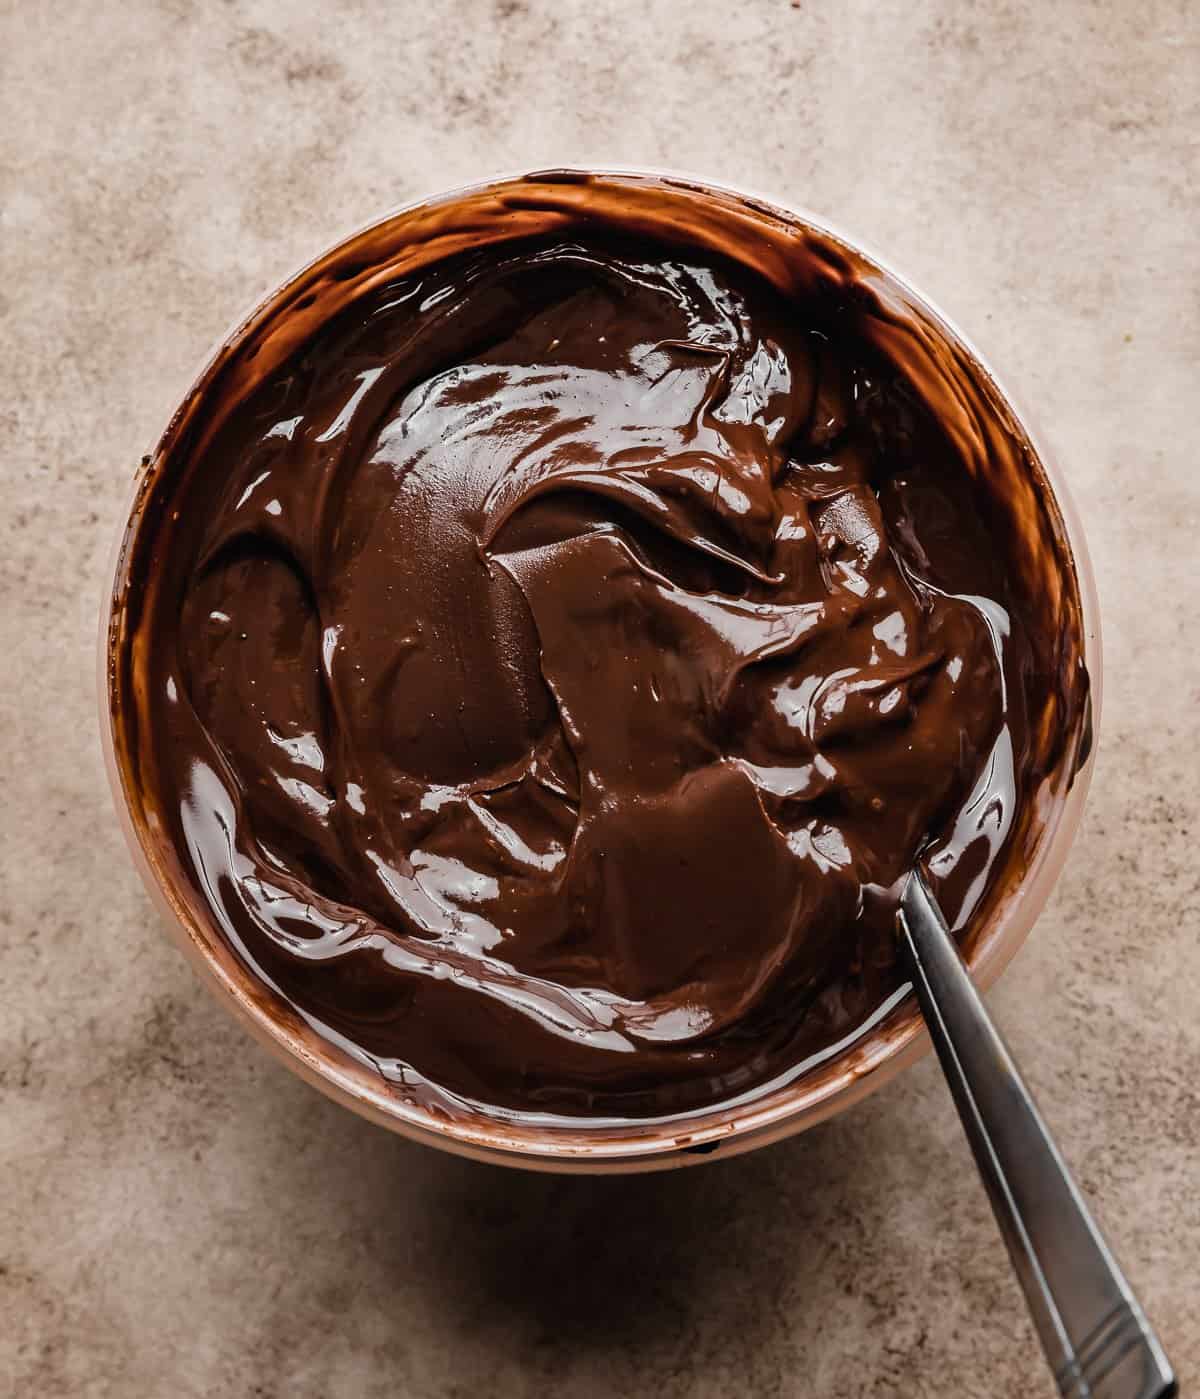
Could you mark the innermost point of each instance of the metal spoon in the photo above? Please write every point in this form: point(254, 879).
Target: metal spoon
point(1095, 1335)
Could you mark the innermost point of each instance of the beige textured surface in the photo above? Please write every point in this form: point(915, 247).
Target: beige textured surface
point(179, 1216)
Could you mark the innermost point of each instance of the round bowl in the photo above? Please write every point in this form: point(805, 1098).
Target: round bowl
point(832, 1081)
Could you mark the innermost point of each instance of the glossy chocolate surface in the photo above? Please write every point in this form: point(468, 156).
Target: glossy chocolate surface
point(554, 633)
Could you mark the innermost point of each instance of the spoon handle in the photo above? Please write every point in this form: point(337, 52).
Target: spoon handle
point(1095, 1335)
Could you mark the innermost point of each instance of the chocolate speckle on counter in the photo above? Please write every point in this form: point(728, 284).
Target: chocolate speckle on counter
point(181, 1215)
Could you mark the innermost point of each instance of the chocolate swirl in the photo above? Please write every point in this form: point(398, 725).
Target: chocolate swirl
point(557, 651)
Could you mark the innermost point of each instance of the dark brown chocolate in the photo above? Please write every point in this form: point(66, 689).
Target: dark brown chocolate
point(551, 656)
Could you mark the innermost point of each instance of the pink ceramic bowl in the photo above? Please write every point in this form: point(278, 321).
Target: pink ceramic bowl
point(834, 1081)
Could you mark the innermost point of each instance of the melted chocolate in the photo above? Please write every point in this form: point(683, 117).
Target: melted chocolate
point(552, 649)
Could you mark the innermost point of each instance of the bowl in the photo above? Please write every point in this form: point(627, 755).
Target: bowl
point(841, 1075)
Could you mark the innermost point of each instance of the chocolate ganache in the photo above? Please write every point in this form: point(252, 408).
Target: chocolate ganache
point(553, 640)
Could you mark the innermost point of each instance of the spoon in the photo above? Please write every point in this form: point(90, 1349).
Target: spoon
point(1095, 1335)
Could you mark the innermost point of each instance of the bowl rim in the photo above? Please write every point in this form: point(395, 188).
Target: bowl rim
point(872, 1058)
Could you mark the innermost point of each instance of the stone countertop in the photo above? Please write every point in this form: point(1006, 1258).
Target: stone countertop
point(178, 1214)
